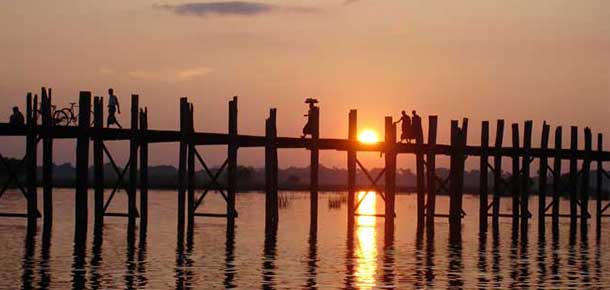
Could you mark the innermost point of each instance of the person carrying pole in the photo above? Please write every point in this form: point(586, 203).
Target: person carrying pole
point(309, 126)
point(416, 128)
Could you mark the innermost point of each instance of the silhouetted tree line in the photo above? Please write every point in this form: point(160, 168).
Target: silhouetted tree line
point(250, 178)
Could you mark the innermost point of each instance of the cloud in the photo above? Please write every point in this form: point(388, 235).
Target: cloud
point(235, 8)
point(348, 2)
point(170, 74)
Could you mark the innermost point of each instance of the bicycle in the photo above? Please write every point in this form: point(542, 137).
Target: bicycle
point(63, 117)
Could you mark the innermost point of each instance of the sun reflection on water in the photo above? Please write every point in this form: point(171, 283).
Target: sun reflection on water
point(366, 233)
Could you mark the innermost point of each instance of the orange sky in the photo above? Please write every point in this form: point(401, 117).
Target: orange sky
point(517, 60)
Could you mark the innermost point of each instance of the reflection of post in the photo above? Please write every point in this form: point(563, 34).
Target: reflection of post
point(312, 257)
point(314, 117)
point(349, 260)
point(269, 253)
point(28, 258)
point(351, 166)
point(456, 264)
point(482, 260)
point(96, 259)
point(390, 173)
point(141, 268)
point(419, 257)
point(45, 254)
point(388, 260)
point(229, 258)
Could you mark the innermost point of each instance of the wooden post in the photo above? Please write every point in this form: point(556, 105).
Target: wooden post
point(232, 163)
point(32, 202)
point(47, 158)
point(556, 177)
point(421, 178)
point(190, 167)
point(98, 161)
point(82, 166)
point(456, 176)
point(498, 171)
point(271, 172)
point(584, 190)
point(516, 175)
point(431, 170)
point(352, 136)
point(182, 166)
point(483, 176)
point(525, 178)
point(573, 176)
point(542, 178)
point(390, 173)
point(133, 161)
point(599, 182)
point(314, 170)
point(143, 170)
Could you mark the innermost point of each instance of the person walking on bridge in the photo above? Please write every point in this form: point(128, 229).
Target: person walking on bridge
point(113, 107)
point(416, 127)
point(405, 127)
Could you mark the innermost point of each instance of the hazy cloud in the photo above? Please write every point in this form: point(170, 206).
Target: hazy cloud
point(169, 74)
point(236, 8)
point(348, 2)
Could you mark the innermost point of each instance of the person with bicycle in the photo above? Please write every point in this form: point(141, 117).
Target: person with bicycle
point(113, 107)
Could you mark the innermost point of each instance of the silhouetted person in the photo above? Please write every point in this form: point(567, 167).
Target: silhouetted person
point(17, 117)
point(416, 126)
point(113, 107)
point(405, 126)
point(310, 126)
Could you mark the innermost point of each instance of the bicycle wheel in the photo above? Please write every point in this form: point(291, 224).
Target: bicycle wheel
point(60, 118)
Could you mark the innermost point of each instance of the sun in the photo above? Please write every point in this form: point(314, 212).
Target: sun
point(368, 136)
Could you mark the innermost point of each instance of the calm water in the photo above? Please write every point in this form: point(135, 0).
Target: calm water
point(294, 259)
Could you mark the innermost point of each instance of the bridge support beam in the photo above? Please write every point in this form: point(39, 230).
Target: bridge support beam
point(390, 174)
point(271, 172)
point(352, 137)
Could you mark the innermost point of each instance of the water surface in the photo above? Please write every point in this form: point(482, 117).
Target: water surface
point(296, 258)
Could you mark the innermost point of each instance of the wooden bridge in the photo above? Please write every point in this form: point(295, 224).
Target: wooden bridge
point(40, 128)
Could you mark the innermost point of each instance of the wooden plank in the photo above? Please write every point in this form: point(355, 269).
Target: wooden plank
point(232, 160)
point(431, 170)
point(515, 184)
point(143, 171)
point(352, 136)
point(47, 158)
point(82, 166)
point(98, 161)
point(483, 186)
point(525, 177)
point(556, 177)
point(271, 172)
point(390, 173)
point(542, 178)
point(584, 190)
point(217, 215)
point(573, 186)
point(498, 190)
point(599, 183)
point(133, 163)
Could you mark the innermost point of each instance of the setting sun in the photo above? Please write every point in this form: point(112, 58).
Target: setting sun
point(368, 136)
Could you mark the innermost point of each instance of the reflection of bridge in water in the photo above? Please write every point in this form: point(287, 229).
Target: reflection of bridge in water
point(134, 176)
